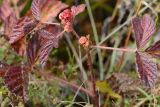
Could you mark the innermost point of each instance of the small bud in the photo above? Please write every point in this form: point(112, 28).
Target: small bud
point(84, 41)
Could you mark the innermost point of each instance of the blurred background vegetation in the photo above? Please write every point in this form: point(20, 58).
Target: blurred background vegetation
point(116, 78)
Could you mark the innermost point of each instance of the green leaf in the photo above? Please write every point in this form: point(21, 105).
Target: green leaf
point(105, 88)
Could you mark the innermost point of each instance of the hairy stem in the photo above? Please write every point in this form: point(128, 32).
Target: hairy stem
point(117, 49)
point(95, 99)
point(60, 34)
point(93, 80)
point(75, 33)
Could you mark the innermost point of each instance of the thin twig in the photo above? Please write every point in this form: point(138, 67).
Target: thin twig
point(50, 23)
point(60, 34)
point(75, 33)
point(116, 49)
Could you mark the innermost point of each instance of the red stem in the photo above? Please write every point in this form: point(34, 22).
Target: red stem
point(75, 33)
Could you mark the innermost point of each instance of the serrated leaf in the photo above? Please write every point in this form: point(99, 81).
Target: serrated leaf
point(48, 41)
point(78, 9)
point(147, 69)
point(47, 35)
point(44, 52)
point(16, 80)
point(36, 9)
point(143, 29)
point(18, 30)
point(154, 50)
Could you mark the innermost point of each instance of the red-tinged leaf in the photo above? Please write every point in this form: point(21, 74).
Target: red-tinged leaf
point(138, 30)
point(143, 29)
point(30, 26)
point(148, 26)
point(49, 36)
point(154, 50)
point(20, 47)
point(78, 9)
point(18, 30)
point(33, 49)
point(16, 80)
point(48, 41)
point(147, 69)
point(44, 52)
point(36, 9)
